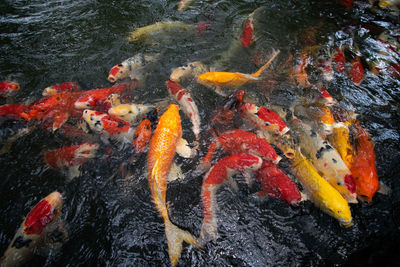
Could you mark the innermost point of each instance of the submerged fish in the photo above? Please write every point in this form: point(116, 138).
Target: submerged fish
point(163, 145)
point(220, 172)
point(320, 192)
point(41, 228)
point(8, 88)
point(339, 60)
point(356, 70)
point(188, 71)
point(276, 183)
point(232, 79)
point(184, 4)
point(134, 68)
point(187, 104)
point(71, 157)
point(61, 88)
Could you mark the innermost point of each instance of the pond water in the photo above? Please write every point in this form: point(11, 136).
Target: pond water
point(112, 223)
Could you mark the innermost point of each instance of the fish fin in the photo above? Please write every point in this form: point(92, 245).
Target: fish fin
point(202, 168)
point(175, 173)
point(73, 172)
point(183, 149)
point(208, 232)
point(232, 183)
point(384, 189)
point(266, 65)
point(175, 237)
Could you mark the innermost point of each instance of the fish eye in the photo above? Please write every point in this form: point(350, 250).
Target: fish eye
point(267, 123)
point(91, 118)
point(119, 65)
point(120, 71)
point(85, 112)
point(87, 104)
point(340, 182)
point(130, 111)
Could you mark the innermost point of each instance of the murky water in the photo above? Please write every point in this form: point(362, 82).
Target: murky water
point(111, 223)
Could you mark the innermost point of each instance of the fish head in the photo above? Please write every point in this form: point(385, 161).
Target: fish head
point(9, 86)
point(192, 69)
point(270, 117)
point(124, 112)
point(86, 150)
point(43, 214)
point(112, 101)
point(85, 101)
point(337, 211)
point(93, 119)
point(171, 120)
point(117, 72)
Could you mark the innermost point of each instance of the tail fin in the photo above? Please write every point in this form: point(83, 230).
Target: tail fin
point(175, 237)
point(266, 66)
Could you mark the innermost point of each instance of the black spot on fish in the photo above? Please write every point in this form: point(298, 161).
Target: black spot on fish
point(313, 134)
point(120, 124)
point(130, 67)
point(130, 111)
point(328, 147)
point(325, 142)
point(97, 123)
point(119, 65)
point(334, 160)
point(58, 98)
point(20, 242)
point(321, 150)
point(340, 183)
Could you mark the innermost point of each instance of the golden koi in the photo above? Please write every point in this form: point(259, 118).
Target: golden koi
point(131, 113)
point(162, 149)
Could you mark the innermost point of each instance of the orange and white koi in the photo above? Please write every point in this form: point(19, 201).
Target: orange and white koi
point(275, 183)
point(356, 70)
point(163, 145)
point(220, 172)
point(363, 165)
point(133, 68)
point(233, 79)
point(239, 140)
point(188, 71)
point(36, 231)
point(320, 192)
point(97, 97)
point(71, 157)
point(187, 104)
point(61, 88)
point(8, 88)
point(131, 113)
point(108, 126)
point(326, 160)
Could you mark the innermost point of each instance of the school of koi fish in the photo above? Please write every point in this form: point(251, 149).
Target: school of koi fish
point(328, 155)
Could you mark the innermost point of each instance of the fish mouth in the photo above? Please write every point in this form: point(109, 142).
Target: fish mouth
point(111, 78)
point(347, 223)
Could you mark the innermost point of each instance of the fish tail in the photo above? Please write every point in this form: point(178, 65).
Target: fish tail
point(175, 237)
point(266, 66)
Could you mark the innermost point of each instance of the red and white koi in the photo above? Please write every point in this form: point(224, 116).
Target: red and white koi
point(275, 183)
point(71, 157)
point(324, 64)
point(61, 88)
point(97, 97)
point(220, 172)
point(36, 231)
point(339, 60)
point(187, 104)
point(325, 97)
point(108, 126)
point(8, 88)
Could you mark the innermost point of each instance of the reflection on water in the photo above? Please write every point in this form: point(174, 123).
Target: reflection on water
point(111, 222)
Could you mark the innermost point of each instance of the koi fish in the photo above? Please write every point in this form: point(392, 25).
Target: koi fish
point(97, 97)
point(163, 145)
point(363, 165)
point(325, 97)
point(108, 126)
point(8, 88)
point(129, 112)
point(143, 132)
point(276, 183)
point(263, 118)
point(356, 70)
point(324, 65)
point(339, 59)
point(111, 101)
point(190, 70)
point(133, 68)
point(12, 110)
point(10, 131)
point(184, 4)
point(71, 157)
point(320, 114)
point(340, 139)
point(247, 37)
point(152, 34)
point(220, 172)
point(322, 194)
point(233, 79)
point(61, 88)
point(299, 74)
point(187, 104)
point(41, 227)
point(326, 160)
point(239, 140)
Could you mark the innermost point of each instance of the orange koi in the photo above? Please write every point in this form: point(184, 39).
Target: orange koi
point(143, 132)
point(363, 166)
point(12, 110)
point(220, 172)
point(41, 221)
point(8, 88)
point(163, 145)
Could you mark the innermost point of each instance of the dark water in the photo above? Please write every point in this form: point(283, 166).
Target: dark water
point(110, 223)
